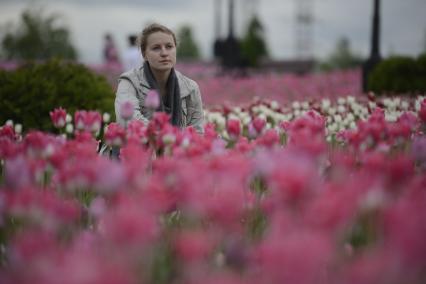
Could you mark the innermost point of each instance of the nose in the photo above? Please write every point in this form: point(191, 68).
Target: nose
point(163, 51)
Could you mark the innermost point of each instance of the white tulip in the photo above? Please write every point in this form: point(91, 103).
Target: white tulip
point(341, 101)
point(275, 105)
point(106, 117)
point(68, 118)
point(246, 120)
point(325, 104)
point(18, 128)
point(305, 105)
point(296, 105)
point(69, 128)
point(350, 99)
point(405, 105)
point(337, 118)
point(341, 109)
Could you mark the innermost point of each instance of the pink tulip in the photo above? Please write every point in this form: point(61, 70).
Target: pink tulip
point(422, 111)
point(233, 126)
point(89, 121)
point(152, 99)
point(58, 117)
point(115, 134)
point(126, 110)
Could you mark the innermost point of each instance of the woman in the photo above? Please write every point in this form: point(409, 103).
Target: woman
point(179, 96)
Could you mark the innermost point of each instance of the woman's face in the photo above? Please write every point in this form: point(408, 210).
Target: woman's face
point(160, 51)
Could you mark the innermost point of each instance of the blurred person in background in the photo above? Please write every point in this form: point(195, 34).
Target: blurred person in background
point(110, 51)
point(132, 57)
point(178, 95)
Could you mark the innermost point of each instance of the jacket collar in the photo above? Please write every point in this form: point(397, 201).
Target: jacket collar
point(185, 89)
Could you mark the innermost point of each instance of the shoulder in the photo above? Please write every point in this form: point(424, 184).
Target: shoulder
point(135, 76)
point(132, 73)
point(186, 83)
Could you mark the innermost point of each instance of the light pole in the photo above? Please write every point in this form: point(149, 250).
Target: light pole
point(231, 47)
point(375, 56)
point(218, 41)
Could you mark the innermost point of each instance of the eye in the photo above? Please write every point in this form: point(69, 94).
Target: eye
point(169, 46)
point(155, 47)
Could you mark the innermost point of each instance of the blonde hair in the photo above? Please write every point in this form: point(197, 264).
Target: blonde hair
point(153, 28)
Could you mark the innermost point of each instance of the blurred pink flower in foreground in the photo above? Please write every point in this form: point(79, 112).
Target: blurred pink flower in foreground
point(126, 110)
point(152, 99)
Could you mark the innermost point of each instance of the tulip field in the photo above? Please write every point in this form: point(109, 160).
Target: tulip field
point(292, 187)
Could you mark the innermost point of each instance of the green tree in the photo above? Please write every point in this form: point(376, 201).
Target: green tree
point(342, 57)
point(253, 45)
point(187, 47)
point(424, 40)
point(37, 37)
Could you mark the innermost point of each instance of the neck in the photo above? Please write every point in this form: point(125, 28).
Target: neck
point(161, 77)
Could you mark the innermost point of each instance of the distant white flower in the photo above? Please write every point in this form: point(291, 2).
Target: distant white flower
point(332, 127)
point(221, 123)
point(325, 104)
point(341, 109)
point(169, 139)
point(9, 122)
point(18, 128)
point(341, 101)
point(233, 116)
point(337, 118)
point(331, 110)
point(391, 117)
point(305, 105)
point(372, 105)
point(405, 105)
point(350, 99)
point(246, 120)
point(68, 118)
point(69, 128)
point(106, 117)
point(295, 105)
point(275, 105)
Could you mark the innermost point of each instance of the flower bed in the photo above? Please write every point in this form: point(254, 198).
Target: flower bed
point(269, 194)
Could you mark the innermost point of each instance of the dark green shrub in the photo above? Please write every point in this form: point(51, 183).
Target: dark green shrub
point(421, 62)
point(399, 74)
point(29, 93)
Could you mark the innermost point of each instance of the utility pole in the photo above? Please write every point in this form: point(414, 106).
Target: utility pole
point(375, 56)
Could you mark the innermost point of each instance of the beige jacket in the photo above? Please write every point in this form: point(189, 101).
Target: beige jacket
point(133, 87)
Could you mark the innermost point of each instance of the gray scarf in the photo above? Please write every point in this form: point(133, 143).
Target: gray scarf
point(171, 102)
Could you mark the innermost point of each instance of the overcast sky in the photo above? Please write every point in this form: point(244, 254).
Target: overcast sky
point(403, 22)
